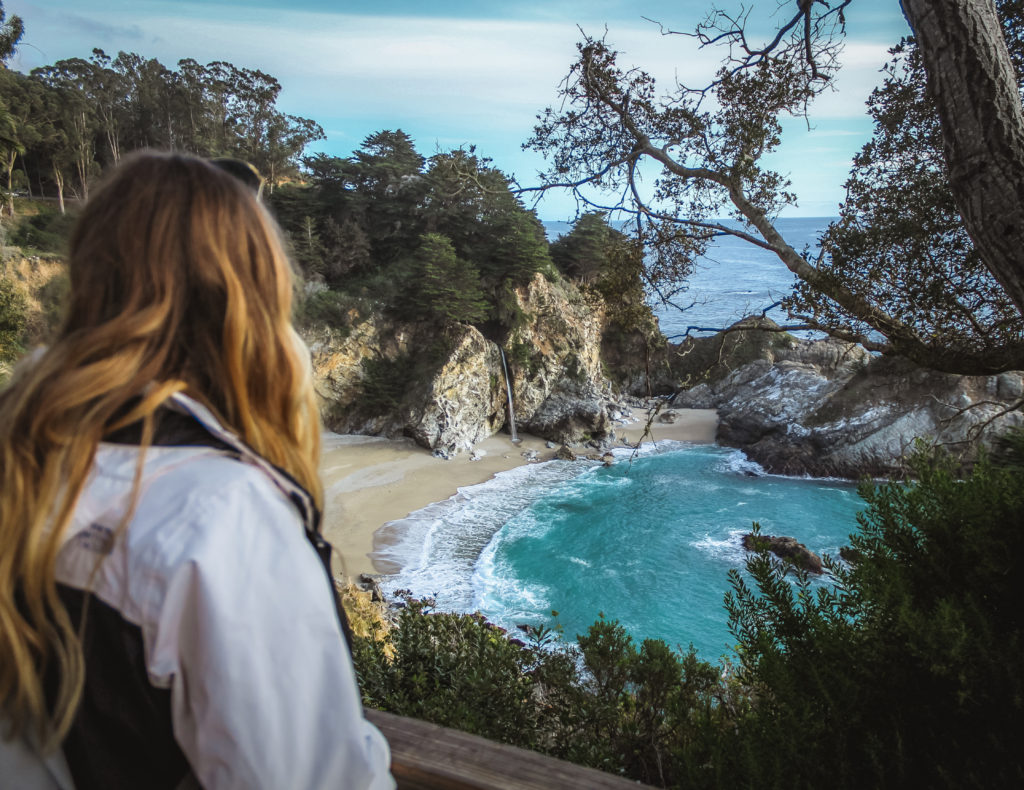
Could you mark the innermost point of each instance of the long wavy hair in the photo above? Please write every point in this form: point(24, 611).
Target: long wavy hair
point(179, 283)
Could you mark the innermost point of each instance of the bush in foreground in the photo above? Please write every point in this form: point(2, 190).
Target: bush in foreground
point(902, 670)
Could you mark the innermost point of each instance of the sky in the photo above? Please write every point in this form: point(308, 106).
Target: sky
point(455, 73)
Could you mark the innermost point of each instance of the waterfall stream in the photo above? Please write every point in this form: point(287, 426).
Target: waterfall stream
point(508, 389)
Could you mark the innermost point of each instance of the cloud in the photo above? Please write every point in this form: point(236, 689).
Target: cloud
point(105, 31)
point(447, 80)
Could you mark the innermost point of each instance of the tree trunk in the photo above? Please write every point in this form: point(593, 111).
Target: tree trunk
point(971, 78)
point(9, 166)
point(58, 178)
point(28, 181)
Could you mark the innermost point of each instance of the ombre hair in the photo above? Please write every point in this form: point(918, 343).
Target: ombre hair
point(179, 283)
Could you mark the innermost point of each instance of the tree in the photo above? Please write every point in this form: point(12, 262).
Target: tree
point(386, 174)
point(75, 115)
point(583, 253)
point(471, 203)
point(901, 241)
point(11, 31)
point(443, 285)
point(346, 249)
point(706, 146)
point(973, 82)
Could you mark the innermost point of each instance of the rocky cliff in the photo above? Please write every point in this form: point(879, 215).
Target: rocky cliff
point(445, 387)
point(826, 408)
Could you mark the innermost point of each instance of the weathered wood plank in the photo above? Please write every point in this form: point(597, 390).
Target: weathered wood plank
point(426, 756)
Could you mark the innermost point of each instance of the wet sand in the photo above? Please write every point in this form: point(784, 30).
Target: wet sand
point(370, 481)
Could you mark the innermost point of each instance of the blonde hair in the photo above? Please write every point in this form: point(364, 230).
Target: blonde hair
point(179, 283)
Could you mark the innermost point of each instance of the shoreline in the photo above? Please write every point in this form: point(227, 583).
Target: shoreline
point(370, 481)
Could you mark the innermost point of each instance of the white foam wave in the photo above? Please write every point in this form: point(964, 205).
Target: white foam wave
point(434, 551)
point(728, 547)
point(737, 462)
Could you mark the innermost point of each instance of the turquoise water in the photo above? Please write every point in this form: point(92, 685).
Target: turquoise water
point(648, 543)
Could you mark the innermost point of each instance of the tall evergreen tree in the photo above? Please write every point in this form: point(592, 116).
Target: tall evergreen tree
point(445, 286)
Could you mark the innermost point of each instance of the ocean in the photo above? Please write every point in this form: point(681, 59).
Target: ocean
point(648, 541)
point(734, 279)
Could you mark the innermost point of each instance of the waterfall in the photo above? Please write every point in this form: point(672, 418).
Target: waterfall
point(508, 389)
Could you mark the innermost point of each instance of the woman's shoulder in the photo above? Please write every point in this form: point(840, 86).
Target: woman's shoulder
point(180, 479)
point(197, 511)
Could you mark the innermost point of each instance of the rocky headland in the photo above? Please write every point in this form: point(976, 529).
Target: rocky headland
point(830, 409)
point(447, 390)
point(819, 408)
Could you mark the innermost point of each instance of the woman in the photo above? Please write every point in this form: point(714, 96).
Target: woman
point(164, 620)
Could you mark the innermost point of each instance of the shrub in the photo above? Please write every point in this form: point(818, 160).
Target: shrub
point(328, 307)
point(907, 669)
point(47, 231)
point(13, 319)
point(604, 704)
point(903, 671)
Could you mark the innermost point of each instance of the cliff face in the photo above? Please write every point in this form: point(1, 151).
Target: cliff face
point(827, 408)
point(445, 388)
point(555, 364)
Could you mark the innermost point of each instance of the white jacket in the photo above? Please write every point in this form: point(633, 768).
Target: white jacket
point(236, 618)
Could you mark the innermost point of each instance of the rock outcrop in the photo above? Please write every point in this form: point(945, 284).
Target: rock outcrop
point(446, 388)
point(785, 548)
point(557, 384)
point(403, 380)
point(827, 408)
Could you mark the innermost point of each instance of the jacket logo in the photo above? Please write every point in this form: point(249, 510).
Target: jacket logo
point(95, 538)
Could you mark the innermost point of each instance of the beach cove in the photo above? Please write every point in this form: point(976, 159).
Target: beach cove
point(370, 481)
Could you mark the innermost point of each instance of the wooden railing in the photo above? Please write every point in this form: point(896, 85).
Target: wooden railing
point(429, 757)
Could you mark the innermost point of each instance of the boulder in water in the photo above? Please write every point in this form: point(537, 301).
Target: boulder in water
point(785, 548)
point(563, 453)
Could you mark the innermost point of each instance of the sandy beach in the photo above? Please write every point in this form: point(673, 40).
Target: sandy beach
point(370, 481)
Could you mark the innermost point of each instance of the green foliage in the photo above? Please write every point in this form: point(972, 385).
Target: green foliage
point(13, 319)
point(46, 231)
point(906, 669)
point(595, 254)
point(53, 299)
point(379, 216)
point(522, 356)
point(455, 670)
point(471, 203)
point(902, 669)
point(327, 307)
point(66, 121)
point(582, 254)
point(448, 287)
point(384, 383)
point(11, 31)
point(605, 704)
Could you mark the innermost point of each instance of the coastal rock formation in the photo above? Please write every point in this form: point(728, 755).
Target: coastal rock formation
point(557, 383)
point(446, 389)
point(785, 548)
point(563, 453)
point(402, 380)
point(827, 408)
